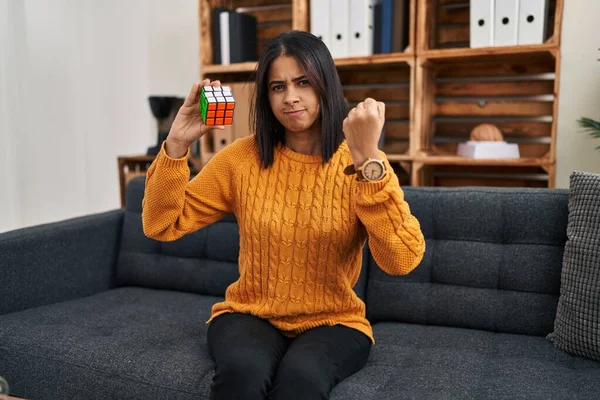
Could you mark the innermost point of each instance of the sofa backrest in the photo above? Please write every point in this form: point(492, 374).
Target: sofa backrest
point(493, 261)
point(202, 262)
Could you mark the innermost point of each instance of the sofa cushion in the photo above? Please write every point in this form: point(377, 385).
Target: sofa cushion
point(126, 343)
point(493, 261)
point(577, 324)
point(203, 262)
point(411, 361)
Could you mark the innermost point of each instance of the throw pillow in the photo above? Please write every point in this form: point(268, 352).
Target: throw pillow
point(577, 323)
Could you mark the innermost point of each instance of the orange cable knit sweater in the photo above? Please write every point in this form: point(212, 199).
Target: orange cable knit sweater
point(302, 227)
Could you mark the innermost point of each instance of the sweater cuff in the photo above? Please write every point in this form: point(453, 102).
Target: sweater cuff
point(165, 161)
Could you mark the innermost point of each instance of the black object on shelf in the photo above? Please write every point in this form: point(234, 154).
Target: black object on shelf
point(164, 109)
point(242, 36)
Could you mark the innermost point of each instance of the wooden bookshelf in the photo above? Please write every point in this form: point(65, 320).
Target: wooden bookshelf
point(435, 91)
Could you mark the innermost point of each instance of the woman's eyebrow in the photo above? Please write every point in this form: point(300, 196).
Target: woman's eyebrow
point(282, 82)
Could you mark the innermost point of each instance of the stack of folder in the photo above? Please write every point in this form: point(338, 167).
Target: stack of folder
point(508, 22)
point(358, 28)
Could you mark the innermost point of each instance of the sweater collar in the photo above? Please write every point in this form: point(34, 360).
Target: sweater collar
point(304, 158)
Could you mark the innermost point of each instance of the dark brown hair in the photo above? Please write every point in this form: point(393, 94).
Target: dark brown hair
point(317, 63)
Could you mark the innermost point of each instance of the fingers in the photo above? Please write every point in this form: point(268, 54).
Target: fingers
point(381, 109)
point(193, 95)
point(206, 128)
point(369, 100)
point(371, 106)
point(375, 107)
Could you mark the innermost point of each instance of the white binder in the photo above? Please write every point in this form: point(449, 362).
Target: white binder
point(224, 27)
point(482, 23)
point(532, 21)
point(320, 20)
point(362, 19)
point(340, 21)
point(506, 22)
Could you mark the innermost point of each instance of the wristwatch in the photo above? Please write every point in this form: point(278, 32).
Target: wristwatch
point(371, 170)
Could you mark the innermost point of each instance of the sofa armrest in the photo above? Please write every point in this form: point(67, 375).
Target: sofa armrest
point(59, 261)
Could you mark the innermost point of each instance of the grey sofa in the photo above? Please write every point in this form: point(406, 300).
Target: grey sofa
point(92, 309)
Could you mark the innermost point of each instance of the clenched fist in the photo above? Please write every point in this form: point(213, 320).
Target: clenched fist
point(362, 129)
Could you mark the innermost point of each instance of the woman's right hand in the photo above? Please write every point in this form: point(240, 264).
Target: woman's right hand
point(188, 125)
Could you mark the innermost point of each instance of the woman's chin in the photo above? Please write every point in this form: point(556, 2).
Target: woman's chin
point(295, 128)
point(298, 128)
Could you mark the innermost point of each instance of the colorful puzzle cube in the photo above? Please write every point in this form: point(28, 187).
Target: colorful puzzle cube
point(217, 105)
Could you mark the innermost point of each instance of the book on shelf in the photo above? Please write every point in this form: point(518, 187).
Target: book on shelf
point(358, 28)
point(234, 37)
point(400, 23)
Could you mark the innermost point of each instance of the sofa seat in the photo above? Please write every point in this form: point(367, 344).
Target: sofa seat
point(411, 361)
point(138, 343)
point(132, 343)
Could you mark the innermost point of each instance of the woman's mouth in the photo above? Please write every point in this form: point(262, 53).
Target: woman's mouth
point(294, 113)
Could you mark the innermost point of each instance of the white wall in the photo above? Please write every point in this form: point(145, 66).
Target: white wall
point(579, 92)
point(74, 81)
point(173, 48)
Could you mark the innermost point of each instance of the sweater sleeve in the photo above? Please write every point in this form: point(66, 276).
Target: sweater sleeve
point(395, 238)
point(174, 205)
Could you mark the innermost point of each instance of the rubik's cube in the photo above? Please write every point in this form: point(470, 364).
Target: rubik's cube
point(217, 105)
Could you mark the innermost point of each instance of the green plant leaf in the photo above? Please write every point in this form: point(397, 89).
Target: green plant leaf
point(590, 126)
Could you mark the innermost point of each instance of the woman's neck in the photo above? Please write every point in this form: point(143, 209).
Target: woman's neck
point(307, 142)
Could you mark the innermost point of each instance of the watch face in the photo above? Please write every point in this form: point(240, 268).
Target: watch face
point(373, 171)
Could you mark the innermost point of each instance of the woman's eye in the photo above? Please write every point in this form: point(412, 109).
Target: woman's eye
point(277, 88)
point(304, 82)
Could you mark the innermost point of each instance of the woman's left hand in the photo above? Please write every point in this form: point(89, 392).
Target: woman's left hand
point(362, 129)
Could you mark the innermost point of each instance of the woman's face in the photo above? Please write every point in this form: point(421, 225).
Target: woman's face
point(293, 99)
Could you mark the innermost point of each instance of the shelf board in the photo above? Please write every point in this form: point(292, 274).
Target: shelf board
point(459, 53)
point(394, 58)
point(376, 59)
point(398, 157)
point(228, 69)
point(432, 159)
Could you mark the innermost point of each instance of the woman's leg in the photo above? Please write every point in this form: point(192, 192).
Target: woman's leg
point(246, 351)
point(317, 360)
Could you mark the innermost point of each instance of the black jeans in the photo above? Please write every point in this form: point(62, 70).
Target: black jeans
point(255, 361)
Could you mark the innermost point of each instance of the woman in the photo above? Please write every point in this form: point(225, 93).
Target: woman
point(307, 190)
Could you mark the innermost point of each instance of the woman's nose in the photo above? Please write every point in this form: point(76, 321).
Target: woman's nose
point(291, 96)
